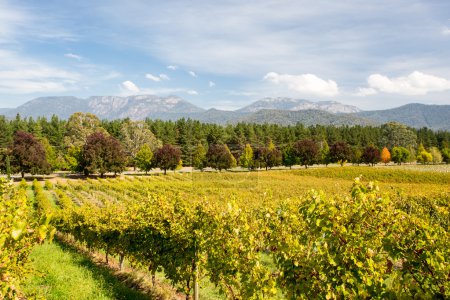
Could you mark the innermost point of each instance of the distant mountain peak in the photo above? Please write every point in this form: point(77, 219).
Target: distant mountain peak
point(291, 104)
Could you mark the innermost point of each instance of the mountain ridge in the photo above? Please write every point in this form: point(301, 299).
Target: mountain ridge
point(285, 111)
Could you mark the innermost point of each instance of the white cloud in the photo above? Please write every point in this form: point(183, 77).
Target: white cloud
point(73, 56)
point(153, 77)
point(362, 92)
point(308, 84)
point(157, 78)
point(446, 31)
point(128, 87)
point(416, 83)
point(172, 67)
point(164, 77)
point(192, 73)
point(20, 75)
point(192, 92)
point(211, 84)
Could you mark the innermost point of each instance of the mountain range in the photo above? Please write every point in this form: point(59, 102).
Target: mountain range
point(284, 111)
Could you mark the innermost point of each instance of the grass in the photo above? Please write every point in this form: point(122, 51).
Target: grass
point(63, 273)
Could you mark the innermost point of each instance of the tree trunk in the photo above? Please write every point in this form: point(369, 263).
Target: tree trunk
point(107, 258)
point(165, 171)
point(121, 258)
point(23, 174)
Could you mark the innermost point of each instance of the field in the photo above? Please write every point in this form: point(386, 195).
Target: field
point(267, 235)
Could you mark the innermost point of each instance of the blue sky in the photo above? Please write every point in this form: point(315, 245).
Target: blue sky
point(226, 54)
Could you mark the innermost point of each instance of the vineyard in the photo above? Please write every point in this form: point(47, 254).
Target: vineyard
point(269, 235)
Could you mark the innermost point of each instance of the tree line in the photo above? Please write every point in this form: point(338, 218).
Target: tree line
point(88, 145)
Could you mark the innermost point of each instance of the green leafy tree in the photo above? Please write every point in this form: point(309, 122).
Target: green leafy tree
point(446, 155)
point(246, 158)
point(103, 154)
point(396, 134)
point(325, 153)
point(143, 159)
point(134, 135)
point(28, 155)
point(167, 157)
point(199, 160)
point(423, 156)
point(400, 155)
point(79, 127)
point(289, 157)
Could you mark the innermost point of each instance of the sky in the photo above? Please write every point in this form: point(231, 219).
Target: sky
point(227, 54)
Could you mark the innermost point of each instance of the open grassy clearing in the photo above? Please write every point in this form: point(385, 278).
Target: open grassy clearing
point(63, 273)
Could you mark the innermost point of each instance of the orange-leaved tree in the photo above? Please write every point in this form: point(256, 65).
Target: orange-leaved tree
point(385, 155)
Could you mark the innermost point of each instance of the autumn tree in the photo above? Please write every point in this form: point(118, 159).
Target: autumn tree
point(385, 156)
point(370, 155)
point(102, 154)
point(199, 160)
point(143, 158)
point(269, 156)
point(340, 152)
point(167, 157)
point(219, 157)
point(436, 154)
point(28, 155)
point(307, 152)
point(400, 155)
point(246, 158)
point(423, 156)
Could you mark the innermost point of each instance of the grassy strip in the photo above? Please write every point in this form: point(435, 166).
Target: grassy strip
point(64, 273)
point(387, 174)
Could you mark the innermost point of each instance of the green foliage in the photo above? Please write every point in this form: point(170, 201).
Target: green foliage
point(364, 245)
point(246, 158)
point(423, 156)
point(446, 155)
point(19, 232)
point(400, 155)
point(436, 154)
point(199, 160)
point(144, 158)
